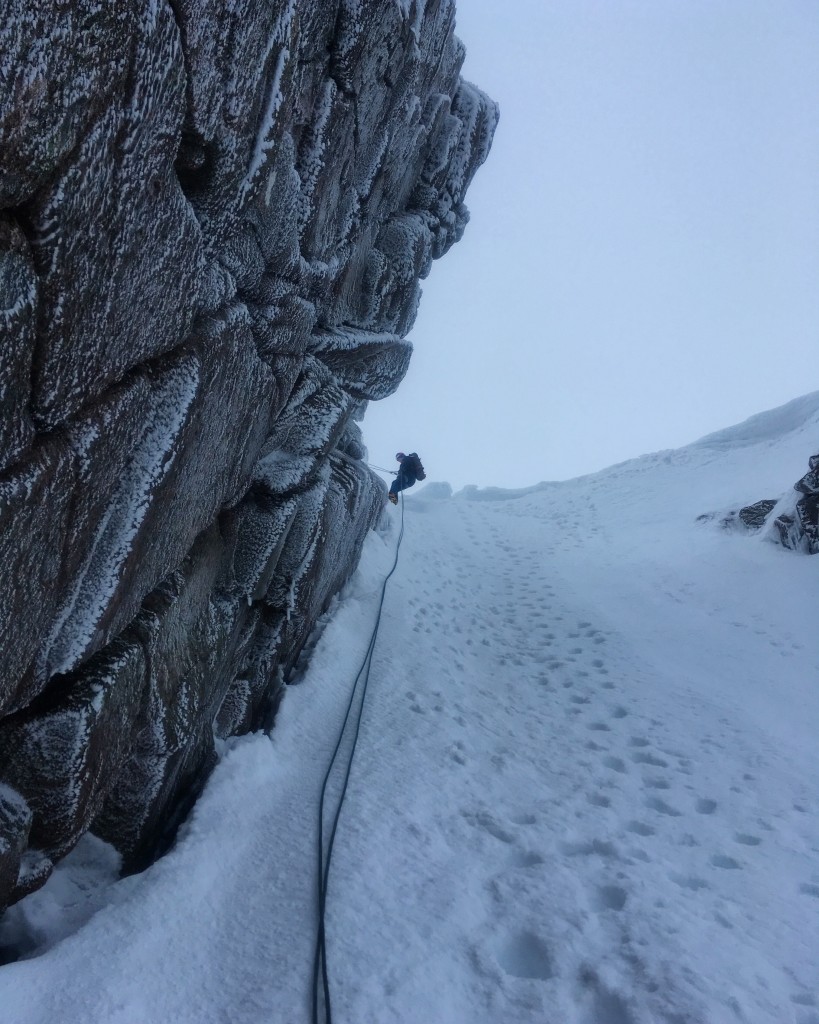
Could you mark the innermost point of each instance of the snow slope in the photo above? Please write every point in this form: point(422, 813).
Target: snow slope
point(585, 790)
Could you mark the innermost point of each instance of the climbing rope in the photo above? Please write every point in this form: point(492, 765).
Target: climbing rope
point(381, 469)
point(323, 871)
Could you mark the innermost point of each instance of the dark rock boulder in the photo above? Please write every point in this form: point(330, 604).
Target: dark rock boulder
point(749, 519)
point(213, 223)
point(753, 517)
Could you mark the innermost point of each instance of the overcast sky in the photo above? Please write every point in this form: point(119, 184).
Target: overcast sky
point(642, 262)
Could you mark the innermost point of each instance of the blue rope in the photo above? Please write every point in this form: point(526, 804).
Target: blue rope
point(323, 873)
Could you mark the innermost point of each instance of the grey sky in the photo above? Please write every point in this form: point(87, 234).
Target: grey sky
point(642, 263)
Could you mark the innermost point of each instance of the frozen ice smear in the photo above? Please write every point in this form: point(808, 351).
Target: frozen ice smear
point(585, 790)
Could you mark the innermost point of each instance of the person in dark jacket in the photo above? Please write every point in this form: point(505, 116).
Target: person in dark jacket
point(409, 471)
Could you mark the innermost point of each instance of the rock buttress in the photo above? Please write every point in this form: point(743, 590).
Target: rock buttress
point(213, 222)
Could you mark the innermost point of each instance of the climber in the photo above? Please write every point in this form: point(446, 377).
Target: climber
point(409, 471)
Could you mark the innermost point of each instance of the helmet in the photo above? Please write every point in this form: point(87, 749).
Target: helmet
point(400, 455)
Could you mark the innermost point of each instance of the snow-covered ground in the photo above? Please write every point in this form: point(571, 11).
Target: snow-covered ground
point(585, 790)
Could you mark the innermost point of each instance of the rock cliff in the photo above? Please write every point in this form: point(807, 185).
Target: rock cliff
point(213, 220)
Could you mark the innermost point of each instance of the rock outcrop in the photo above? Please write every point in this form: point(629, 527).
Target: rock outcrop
point(748, 519)
point(797, 525)
point(213, 220)
point(792, 521)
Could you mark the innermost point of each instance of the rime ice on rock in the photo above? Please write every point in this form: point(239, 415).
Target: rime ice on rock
point(793, 520)
point(797, 524)
point(18, 297)
point(15, 825)
point(213, 221)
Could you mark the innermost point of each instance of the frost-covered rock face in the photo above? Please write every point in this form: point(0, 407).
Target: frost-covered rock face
point(213, 220)
point(797, 524)
point(792, 521)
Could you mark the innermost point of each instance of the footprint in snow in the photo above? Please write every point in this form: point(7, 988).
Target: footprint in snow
point(525, 955)
point(595, 847)
point(457, 753)
point(607, 1008)
point(524, 859)
point(689, 882)
point(610, 897)
point(719, 860)
point(488, 824)
point(522, 819)
point(661, 807)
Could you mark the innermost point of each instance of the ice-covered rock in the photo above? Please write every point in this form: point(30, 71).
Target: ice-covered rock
point(213, 221)
point(792, 520)
point(750, 518)
point(15, 825)
point(797, 524)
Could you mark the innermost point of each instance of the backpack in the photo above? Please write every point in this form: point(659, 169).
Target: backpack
point(420, 473)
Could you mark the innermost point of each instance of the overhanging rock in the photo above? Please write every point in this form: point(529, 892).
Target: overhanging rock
point(213, 222)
